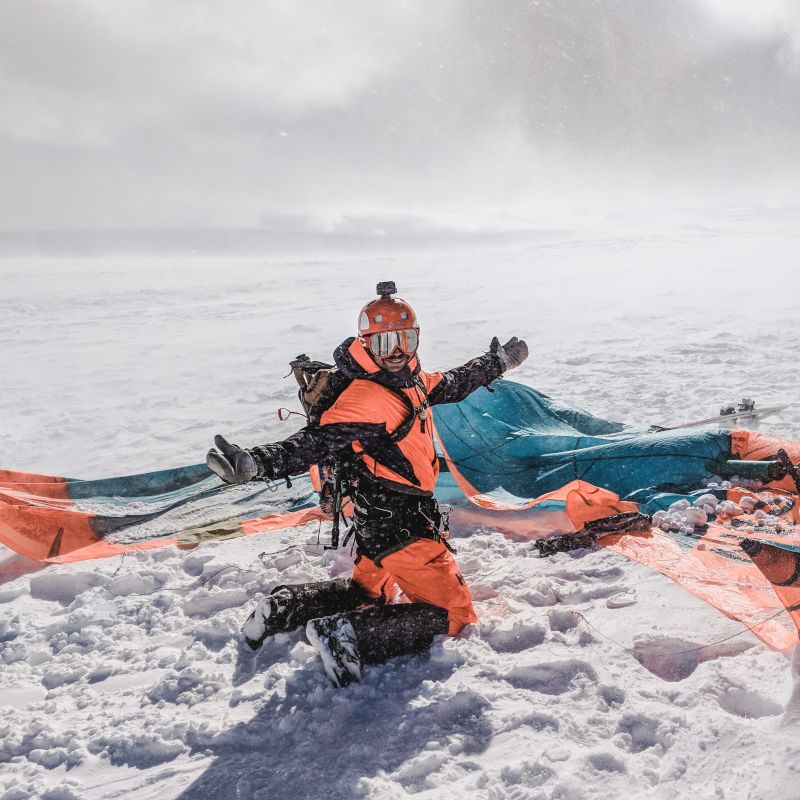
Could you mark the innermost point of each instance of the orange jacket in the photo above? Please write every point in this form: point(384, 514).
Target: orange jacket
point(370, 402)
point(366, 414)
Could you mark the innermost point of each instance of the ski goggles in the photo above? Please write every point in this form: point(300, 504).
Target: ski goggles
point(386, 342)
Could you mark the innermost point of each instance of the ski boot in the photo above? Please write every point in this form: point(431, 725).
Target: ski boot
point(289, 607)
point(334, 638)
point(372, 636)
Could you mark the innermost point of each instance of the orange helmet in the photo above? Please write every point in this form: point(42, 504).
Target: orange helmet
point(388, 323)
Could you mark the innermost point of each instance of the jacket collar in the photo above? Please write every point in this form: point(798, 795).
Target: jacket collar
point(355, 361)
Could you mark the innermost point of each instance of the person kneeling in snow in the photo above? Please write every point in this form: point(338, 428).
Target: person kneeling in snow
point(378, 430)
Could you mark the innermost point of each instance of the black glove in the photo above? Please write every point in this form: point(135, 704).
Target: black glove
point(231, 462)
point(511, 354)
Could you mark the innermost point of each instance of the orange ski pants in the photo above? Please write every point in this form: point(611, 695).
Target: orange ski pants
point(426, 572)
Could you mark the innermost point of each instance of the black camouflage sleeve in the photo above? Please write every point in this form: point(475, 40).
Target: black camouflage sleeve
point(458, 383)
point(314, 443)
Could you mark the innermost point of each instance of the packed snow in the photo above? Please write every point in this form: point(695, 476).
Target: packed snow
point(587, 677)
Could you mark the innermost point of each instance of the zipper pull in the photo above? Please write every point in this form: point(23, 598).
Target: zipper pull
point(422, 411)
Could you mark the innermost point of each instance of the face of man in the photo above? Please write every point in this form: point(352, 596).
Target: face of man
point(394, 362)
point(393, 349)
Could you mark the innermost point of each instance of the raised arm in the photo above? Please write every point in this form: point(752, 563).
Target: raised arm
point(312, 444)
point(456, 384)
point(308, 446)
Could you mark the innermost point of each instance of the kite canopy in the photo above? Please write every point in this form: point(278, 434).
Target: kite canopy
point(518, 445)
point(64, 519)
point(517, 461)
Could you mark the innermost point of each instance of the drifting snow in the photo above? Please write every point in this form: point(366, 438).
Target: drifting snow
point(587, 677)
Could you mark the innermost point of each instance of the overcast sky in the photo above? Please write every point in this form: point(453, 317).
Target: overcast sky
point(197, 113)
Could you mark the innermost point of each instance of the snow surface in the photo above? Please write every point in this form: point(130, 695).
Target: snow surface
point(585, 678)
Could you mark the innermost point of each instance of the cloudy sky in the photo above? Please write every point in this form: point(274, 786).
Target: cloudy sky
point(161, 113)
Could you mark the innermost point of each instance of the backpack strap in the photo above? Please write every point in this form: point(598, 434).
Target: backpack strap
point(421, 411)
point(320, 385)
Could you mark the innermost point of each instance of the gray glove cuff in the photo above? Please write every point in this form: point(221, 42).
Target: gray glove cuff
point(505, 362)
point(511, 354)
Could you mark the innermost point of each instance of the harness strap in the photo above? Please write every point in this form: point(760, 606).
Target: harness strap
point(421, 411)
point(339, 466)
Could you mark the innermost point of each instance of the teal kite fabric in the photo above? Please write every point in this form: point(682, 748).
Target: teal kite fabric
point(521, 442)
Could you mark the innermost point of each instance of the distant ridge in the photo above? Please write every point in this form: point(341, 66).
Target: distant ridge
point(247, 241)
